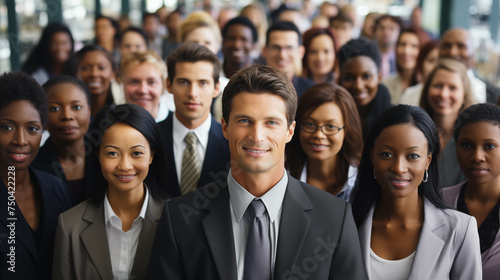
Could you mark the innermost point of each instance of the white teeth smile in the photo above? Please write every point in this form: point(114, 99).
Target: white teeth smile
point(318, 146)
point(93, 84)
point(18, 155)
point(126, 177)
point(255, 151)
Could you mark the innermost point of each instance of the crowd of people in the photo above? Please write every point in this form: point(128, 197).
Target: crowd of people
point(258, 144)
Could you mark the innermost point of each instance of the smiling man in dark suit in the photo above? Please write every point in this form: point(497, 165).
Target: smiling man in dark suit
point(259, 222)
point(196, 150)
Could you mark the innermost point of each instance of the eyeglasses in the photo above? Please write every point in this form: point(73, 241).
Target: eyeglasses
point(327, 129)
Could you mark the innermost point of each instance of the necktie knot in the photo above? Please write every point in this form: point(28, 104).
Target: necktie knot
point(190, 138)
point(258, 208)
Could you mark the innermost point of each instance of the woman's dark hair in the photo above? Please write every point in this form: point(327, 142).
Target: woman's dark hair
point(483, 112)
point(113, 22)
point(69, 80)
point(137, 30)
point(309, 35)
point(359, 47)
point(141, 120)
point(16, 86)
point(408, 30)
point(367, 190)
point(350, 152)
point(40, 55)
point(425, 50)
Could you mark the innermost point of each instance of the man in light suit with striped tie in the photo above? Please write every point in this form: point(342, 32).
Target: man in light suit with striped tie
point(197, 152)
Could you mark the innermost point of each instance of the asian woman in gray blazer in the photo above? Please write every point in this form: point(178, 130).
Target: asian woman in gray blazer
point(111, 235)
point(406, 231)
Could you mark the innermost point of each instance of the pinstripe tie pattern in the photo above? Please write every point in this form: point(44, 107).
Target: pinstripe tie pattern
point(191, 165)
point(258, 252)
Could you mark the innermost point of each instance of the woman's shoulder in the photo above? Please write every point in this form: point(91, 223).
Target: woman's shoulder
point(450, 194)
point(448, 222)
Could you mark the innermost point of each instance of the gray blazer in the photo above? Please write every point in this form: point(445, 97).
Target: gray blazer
point(490, 257)
point(82, 251)
point(448, 247)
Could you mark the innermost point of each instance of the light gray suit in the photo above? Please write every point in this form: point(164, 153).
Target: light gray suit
point(448, 247)
point(82, 251)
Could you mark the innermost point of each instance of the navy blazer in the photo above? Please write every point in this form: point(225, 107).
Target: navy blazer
point(317, 237)
point(47, 161)
point(217, 157)
point(30, 262)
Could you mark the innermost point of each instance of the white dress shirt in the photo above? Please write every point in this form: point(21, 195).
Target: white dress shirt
point(478, 87)
point(240, 199)
point(180, 132)
point(123, 245)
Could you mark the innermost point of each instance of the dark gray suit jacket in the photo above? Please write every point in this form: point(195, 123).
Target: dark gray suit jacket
point(82, 250)
point(317, 237)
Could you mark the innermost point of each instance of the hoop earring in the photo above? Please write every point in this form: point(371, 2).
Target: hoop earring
point(374, 177)
point(426, 176)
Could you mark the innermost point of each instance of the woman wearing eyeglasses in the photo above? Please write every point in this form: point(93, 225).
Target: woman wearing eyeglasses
point(326, 149)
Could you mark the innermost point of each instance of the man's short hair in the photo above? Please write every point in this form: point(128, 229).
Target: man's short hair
point(192, 52)
point(283, 26)
point(241, 20)
point(395, 19)
point(260, 79)
point(147, 57)
point(341, 17)
point(146, 15)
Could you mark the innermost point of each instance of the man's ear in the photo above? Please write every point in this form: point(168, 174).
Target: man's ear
point(224, 128)
point(216, 90)
point(290, 132)
point(169, 85)
point(302, 51)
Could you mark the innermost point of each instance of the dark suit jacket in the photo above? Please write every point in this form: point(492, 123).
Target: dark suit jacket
point(32, 262)
point(82, 250)
point(47, 161)
point(492, 93)
point(317, 237)
point(301, 84)
point(215, 165)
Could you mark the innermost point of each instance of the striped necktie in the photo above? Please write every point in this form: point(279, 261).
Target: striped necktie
point(191, 165)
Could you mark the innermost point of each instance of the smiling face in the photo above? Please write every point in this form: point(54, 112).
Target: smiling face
point(124, 160)
point(282, 51)
point(203, 36)
point(143, 85)
point(69, 112)
point(317, 145)
point(237, 43)
point(104, 31)
point(321, 55)
point(478, 151)
point(132, 42)
point(407, 50)
point(96, 71)
point(60, 47)
point(360, 77)
point(446, 93)
point(194, 89)
point(20, 134)
point(257, 132)
point(400, 158)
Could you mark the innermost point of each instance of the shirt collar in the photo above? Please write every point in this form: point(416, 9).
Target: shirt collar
point(201, 132)
point(240, 198)
point(109, 213)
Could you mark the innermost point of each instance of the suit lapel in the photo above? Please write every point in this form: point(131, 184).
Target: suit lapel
point(365, 233)
point(210, 157)
point(428, 253)
point(95, 240)
point(293, 219)
point(146, 238)
point(167, 129)
point(219, 233)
